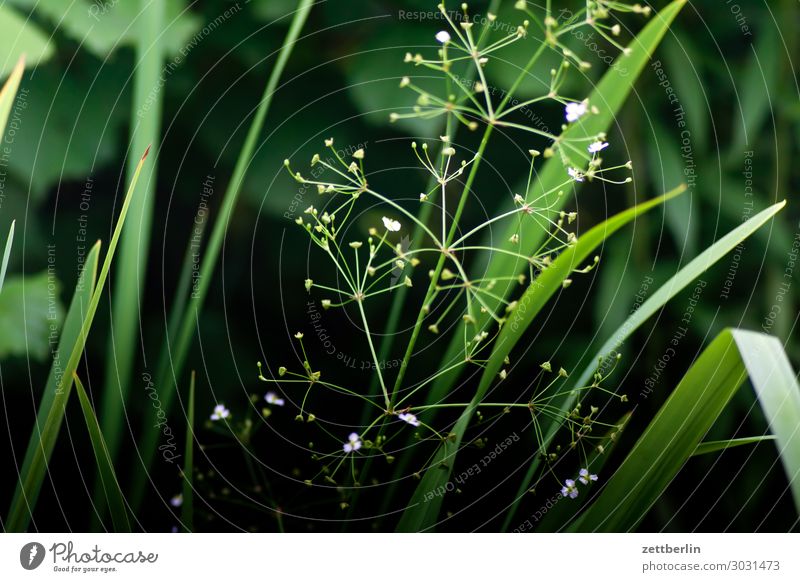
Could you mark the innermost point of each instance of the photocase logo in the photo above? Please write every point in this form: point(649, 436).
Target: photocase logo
point(31, 555)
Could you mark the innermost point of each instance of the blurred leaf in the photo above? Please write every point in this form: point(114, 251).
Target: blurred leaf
point(755, 88)
point(71, 125)
point(102, 27)
point(374, 75)
point(688, 414)
point(8, 94)
point(686, 74)
point(667, 171)
point(21, 37)
point(29, 306)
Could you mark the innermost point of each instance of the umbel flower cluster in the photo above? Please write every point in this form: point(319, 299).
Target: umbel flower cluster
point(439, 260)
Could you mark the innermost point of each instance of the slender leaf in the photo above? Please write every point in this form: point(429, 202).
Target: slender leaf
point(129, 281)
point(46, 434)
point(688, 414)
point(108, 478)
point(423, 511)
point(716, 446)
point(656, 301)
point(170, 368)
point(69, 337)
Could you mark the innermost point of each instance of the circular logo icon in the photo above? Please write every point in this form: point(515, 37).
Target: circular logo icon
point(31, 555)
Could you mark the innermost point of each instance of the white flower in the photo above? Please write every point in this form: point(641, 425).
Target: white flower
point(273, 398)
point(569, 489)
point(220, 412)
point(176, 501)
point(409, 418)
point(585, 476)
point(390, 224)
point(597, 147)
point(574, 111)
point(353, 443)
point(575, 174)
point(443, 36)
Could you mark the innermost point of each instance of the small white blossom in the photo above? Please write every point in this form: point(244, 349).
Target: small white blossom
point(597, 147)
point(569, 489)
point(176, 501)
point(220, 412)
point(353, 443)
point(274, 399)
point(409, 418)
point(391, 225)
point(443, 36)
point(574, 111)
point(585, 476)
point(575, 174)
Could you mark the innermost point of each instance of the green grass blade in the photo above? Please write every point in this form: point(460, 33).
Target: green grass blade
point(776, 387)
point(187, 509)
point(169, 371)
point(108, 478)
point(716, 446)
point(42, 443)
point(609, 95)
point(422, 514)
point(688, 414)
point(656, 301)
point(129, 280)
point(7, 253)
point(69, 337)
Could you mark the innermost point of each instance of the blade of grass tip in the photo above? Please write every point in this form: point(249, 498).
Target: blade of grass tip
point(423, 511)
point(108, 478)
point(44, 442)
point(657, 300)
point(131, 271)
point(7, 254)
point(187, 509)
point(716, 446)
point(675, 433)
point(609, 95)
point(69, 336)
point(9, 92)
point(169, 371)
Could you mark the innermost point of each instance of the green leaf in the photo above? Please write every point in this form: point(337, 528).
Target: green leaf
point(716, 446)
point(102, 27)
point(21, 37)
point(609, 95)
point(7, 253)
point(30, 312)
point(69, 337)
point(688, 414)
point(653, 304)
point(45, 434)
point(187, 509)
point(70, 127)
point(113, 493)
point(423, 511)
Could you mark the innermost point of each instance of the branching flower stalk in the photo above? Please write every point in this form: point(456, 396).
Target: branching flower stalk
point(375, 266)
